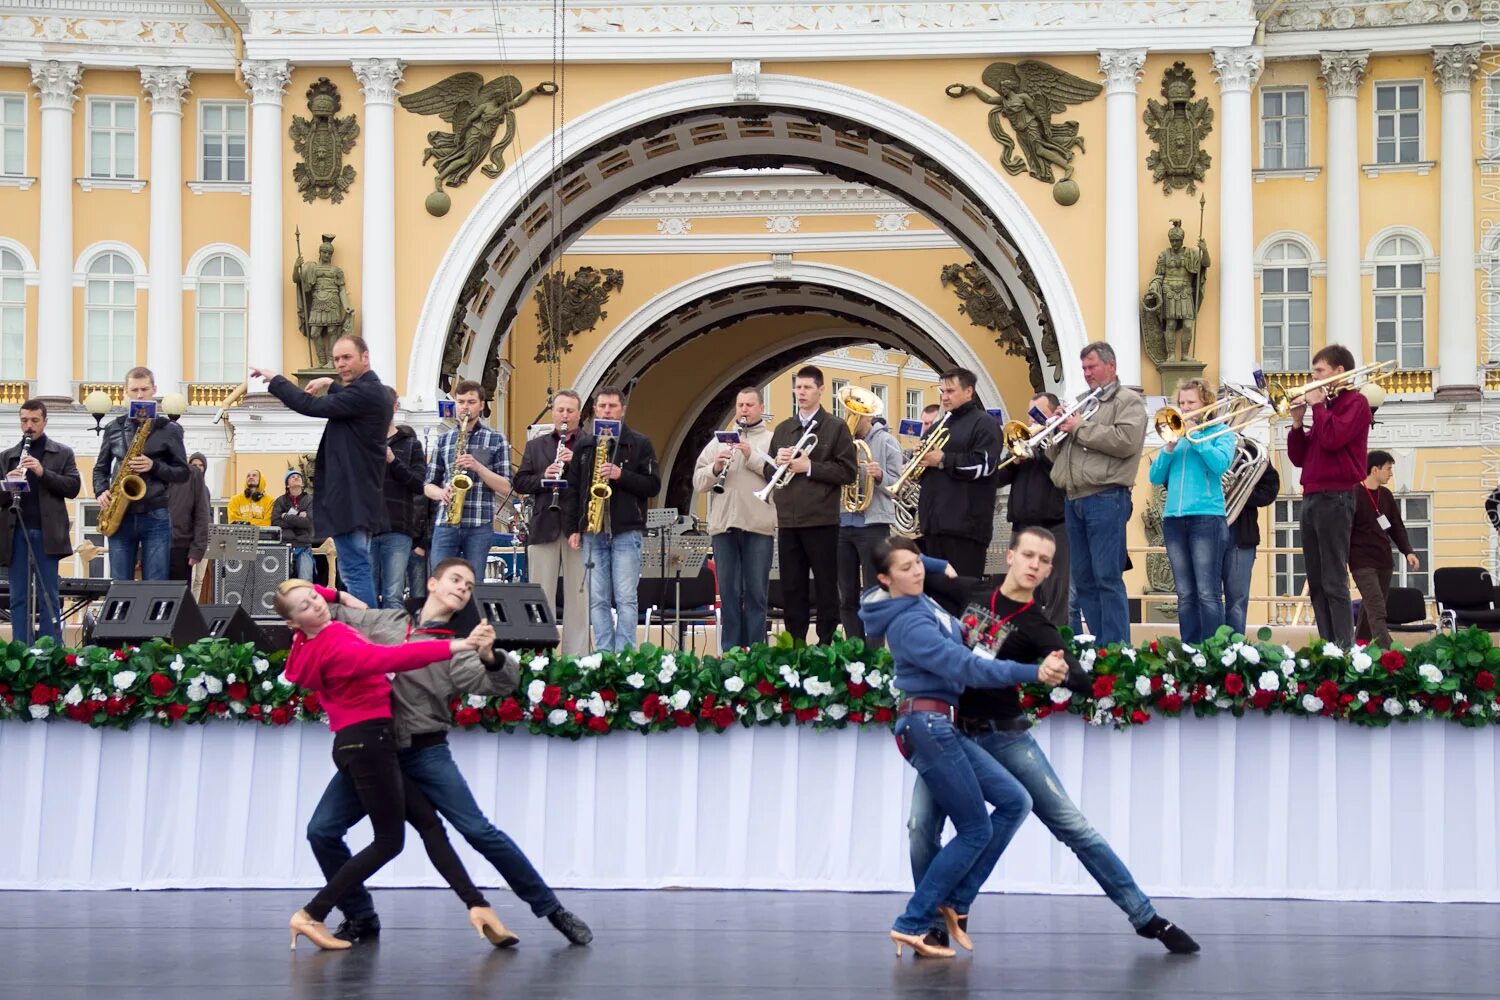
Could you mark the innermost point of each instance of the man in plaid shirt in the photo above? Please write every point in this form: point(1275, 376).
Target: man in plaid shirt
point(487, 463)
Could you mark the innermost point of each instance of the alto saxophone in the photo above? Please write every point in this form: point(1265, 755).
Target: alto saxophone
point(461, 483)
point(126, 487)
point(599, 488)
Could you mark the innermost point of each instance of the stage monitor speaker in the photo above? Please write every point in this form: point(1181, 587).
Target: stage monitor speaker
point(519, 612)
point(137, 610)
point(232, 622)
point(251, 583)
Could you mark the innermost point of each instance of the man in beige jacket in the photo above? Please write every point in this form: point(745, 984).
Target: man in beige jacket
point(743, 529)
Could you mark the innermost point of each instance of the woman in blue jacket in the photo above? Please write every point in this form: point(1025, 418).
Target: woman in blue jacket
point(933, 666)
point(1192, 469)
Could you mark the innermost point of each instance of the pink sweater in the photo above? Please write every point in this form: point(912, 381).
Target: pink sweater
point(349, 672)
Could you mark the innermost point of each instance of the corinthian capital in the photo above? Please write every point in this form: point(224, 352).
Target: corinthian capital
point(1238, 68)
point(1121, 69)
point(1343, 72)
point(165, 85)
point(266, 79)
point(1455, 65)
point(378, 79)
point(57, 83)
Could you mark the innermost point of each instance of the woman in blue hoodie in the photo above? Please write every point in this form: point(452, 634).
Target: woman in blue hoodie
point(1192, 469)
point(933, 666)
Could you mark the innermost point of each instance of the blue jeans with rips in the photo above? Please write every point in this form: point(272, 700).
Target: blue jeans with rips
point(612, 565)
point(1096, 537)
point(389, 552)
point(1019, 754)
point(1195, 547)
point(146, 535)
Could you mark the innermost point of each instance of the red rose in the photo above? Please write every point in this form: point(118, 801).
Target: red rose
point(1139, 717)
point(786, 703)
point(807, 714)
point(577, 718)
point(651, 704)
point(1028, 702)
point(161, 685)
point(1118, 711)
point(177, 710)
point(765, 687)
point(120, 654)
point(856, 717)
point(1262, 699)
point(1171, 702)
point(4, 688)
point(510, 710)
point(41, 694)
point(1234, 684)
point(1484, 680)
point(255, 711)
point(1043, 712)
point(551, 695)
point(571, 705)
point(1154, 646)
point(218, 707)
point(114, 706)
point(71, 659)
point(538, 714)
point(1345, 700)
point(599, 724)
point(858, 689)
point(80, 713)
point(608, 694)
point(708, 701)
point(884, 715)
point(1392, 660)
point(1442, 704)
point(281, 715)
point(238, 691)
point(466, 716)
point(683, 719)
point(1372, 706)
point(311, 704)
point(1156, 683)
point(723, 716)
point(1104, 685)
point(1327, 692)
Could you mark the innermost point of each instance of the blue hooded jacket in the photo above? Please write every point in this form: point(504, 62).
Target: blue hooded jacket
point(928, 648)
point(1193, 473)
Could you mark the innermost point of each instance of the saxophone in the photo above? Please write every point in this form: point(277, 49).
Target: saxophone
point(599, 489)
point(126, 487)
point(461, 483)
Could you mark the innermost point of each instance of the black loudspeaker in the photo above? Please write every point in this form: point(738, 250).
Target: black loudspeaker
point(251, 583)
point(519, 612)
point(232, 622)
point(137, 610)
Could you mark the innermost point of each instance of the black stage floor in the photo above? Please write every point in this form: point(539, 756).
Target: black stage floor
point(226, 945)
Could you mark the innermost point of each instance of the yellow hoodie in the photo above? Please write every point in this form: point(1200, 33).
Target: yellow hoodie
point(245, 510)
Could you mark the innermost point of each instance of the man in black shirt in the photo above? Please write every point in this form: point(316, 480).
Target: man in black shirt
point(992, 718)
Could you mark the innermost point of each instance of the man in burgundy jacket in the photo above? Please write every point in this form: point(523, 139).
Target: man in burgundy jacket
point(1331, 455)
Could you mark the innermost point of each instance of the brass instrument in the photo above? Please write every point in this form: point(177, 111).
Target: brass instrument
point(1084, 408)
point(783, 473)
point(1016, 435)
point(126, 487)
point(599, 488)
point(462, 482)
point(859, 402)
point(1365, 379)
point(1251, 460)
point(1239, 405)
point(906, 490)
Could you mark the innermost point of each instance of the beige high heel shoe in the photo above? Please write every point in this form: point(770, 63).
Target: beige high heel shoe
point(487, 922)
point(920, 946)
point(956, 930)
point(302, 925)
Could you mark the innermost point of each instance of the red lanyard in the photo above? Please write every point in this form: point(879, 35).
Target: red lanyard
point(1013, 614)
point(1373, 502)
point(444, 632)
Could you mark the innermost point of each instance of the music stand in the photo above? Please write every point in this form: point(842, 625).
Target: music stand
point(659, 518)
point(679, 555)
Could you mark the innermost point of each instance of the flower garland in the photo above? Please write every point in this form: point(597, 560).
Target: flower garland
point(830, 687)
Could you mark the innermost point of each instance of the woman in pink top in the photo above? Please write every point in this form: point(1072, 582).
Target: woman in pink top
point(349, 673)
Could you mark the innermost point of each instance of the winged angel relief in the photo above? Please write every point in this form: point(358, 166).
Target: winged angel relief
point(476, 110)
point(1027, 94)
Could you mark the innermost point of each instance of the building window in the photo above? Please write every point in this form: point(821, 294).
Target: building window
point(838, 407)
point(112, 137)
point(222, 131)
point(109, 318)
point(1399, 302)
point(12, 316)
point(12, 134)
point(1285, 309)
point(1283, 128)
point(221, 320)
point(883, 395)
point(913, 404)
point(1398, 122)
point(1416, 514)
point(1290, 573)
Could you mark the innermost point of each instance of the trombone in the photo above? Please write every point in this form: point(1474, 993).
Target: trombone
point(1172, 425)
point(1365, 380)
point(1024, 440)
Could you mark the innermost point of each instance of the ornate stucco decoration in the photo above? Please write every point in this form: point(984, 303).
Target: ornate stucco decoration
point(1342, 72)
point(986, 307)
point(1315, 15)
point(1178, 126)
point(323, 141)
point(568, 305)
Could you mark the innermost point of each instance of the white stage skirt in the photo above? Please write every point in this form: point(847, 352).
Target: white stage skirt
point(1254, 807)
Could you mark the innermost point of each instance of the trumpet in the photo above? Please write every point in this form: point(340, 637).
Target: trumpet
point(1365, 379)
point(783, 473)
point(1016, 435)
point(906, 491)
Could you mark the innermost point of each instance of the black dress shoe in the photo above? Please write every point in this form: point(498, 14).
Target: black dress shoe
point(363, 929)
point(572, 928)
point(1176, 940)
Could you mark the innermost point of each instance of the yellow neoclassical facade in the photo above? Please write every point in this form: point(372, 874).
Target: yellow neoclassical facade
point(774, 183)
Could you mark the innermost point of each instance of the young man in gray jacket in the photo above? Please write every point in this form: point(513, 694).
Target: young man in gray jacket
point(860, 532)
point(420, 700)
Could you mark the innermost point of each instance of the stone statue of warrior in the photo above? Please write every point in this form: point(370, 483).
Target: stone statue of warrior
point(1176, 292)
point(323, 310)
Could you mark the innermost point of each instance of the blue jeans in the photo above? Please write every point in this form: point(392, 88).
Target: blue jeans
point(1096, 537)
point(961, 777)
point(1024, 760)
point(1239, 564)
point(47, 609)
point(146, 535)
point(304, 567)
point(416, 576)
point(742, 563)
point(353, 549)
point(612, 565)
point(434, 771)
point(470, 544)
point(1195, 547)
point(389, 552)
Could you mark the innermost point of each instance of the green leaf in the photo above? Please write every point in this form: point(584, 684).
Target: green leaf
point(1263, 633)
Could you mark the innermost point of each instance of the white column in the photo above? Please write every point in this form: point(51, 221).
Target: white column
point(1238, 69)
point(1122, 239)
point(1342, 73)
point(1458, 348)
point(378, 80)
point(57, 87)
point(165, 86)
point(266, 80)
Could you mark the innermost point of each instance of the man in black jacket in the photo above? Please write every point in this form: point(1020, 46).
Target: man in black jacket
point(993, 718)
point(807, 506)
point(41, 534)
point(1239, 554)
point(293, 514)
point(405, 475)
point(549, 557)
point(612, 556)
point(956, 514)
point(145, 531)
point(1036, 502)
point(191, 514)
point(351, 456)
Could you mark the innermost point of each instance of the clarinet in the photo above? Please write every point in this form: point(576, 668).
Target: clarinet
point(561, 430)
point(722, 482)
point(25, 453)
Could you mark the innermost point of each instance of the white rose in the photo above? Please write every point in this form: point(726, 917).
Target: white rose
point(1288, 653)
point(537, 664)
point(1086, 660)
point(1084, 640)
point(1200, 661)
point(283, 680)
point(680, 699)
point(669, 662)
point(1393, 706)
point(1430, 673)
point(1332, 649)
point(1170, 680)
point(195, 691)
point(665, 675)
point(1460, 696)
point(96, 694)
point(1270, 680)
point(535, 690)
point(74, 695)
point(1227, 659)
point(1171, 656)
point(597, 706)
point(1413, 705)
point(875, 679)
point(740, 709)
point(1106, 703)
point(1361, 661)
point(791, 677)
point(590, 662)
point(213, 684)
point(476, 701)
point(1060, 696)
point(265, 685)
point(1301, 663)
point(1249, 654)
point(1142, 686)
point(124, 679)
point(40, 711)
point(230, 679)
point(640, 718)
point(261, 665)
point(177, 663)
point(734, 684)
point(1474, 709)
point(1312, 703)
point(857, 669)
point(1210, 692)
point(1224, 702)
point(237, 707)
point(557, 716)
point(762, 711)
point(636, 680)
point(837, 712)
point(1098, 719)
point(1128, 652)
point(1363, 697)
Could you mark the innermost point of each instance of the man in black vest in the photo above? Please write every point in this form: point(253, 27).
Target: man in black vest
point(956, 514)
point(40, 537)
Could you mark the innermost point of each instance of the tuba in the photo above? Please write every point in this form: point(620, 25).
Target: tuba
point(1251, 459)
point(859, 403)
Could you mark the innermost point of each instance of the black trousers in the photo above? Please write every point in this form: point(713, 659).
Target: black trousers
point(965, 555)
point(365, 753)
point(1327, 519)
point(857, 571)
point(801, 550)
point(177, 565)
